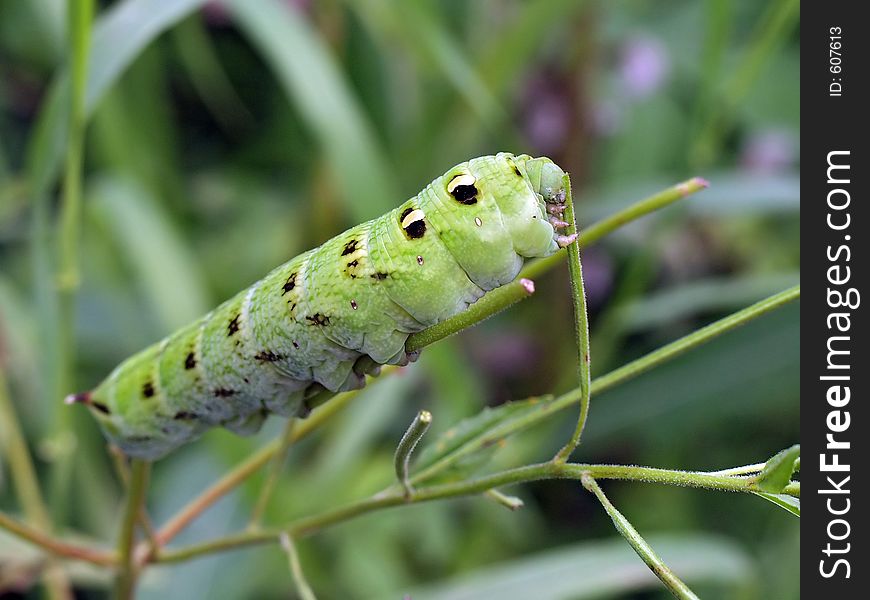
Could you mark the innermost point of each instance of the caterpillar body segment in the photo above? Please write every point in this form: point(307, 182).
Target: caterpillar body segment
point(329, 316)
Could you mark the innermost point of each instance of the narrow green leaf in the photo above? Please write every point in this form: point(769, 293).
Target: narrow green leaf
point(119, 36)
point(778, 470)
point(784, 501)
point(598, 569)
point(313, 81)
point(161, 259)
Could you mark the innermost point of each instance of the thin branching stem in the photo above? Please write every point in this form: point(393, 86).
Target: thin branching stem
point(581, 322)
point(615, 378)
point(125, 580)
point(523, 287)
point(251, 465)
point(277, 466)
point(20, 462)
point(674, 584)
point(396, 497)
point(302, 587)
point(55, 546)
point(608, 381)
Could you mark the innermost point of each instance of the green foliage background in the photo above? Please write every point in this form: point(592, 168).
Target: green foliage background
point(245, 132)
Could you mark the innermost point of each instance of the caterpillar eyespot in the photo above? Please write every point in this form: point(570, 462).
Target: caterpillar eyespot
point(326, 318)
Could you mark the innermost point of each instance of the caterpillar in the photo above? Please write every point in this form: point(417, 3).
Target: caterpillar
point(328, 317)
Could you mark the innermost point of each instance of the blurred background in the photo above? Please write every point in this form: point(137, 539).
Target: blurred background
point(226, 137)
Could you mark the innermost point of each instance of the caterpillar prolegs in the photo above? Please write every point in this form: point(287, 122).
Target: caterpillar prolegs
point(329, 316)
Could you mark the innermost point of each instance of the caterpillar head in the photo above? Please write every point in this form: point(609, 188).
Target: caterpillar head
point(546, 177)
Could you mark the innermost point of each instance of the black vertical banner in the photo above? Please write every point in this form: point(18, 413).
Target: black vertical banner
point(834, 325)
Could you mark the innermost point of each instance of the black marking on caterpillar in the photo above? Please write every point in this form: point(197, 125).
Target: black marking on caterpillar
point(372, 250)
point(268, 356)
point(101, 407)
point(318, 319)
point(465, 194)
point(416, 229)
point(289, 284)
point(350, 247)
point(233, 326)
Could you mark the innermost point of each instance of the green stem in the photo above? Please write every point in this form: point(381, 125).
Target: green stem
point(80, 16)
point(614, 378)
point(409, 441)
point(27, 485)
point(490, 304)
point(125, 580)
point(251, 465)
point(389, 498)
point(581, 321)
point(20, 462)
point(522, 287)
point(696, 338)
point(55, 546)
point(640, 545)
point(280, 456)
point(608, 225)
point(305, 591)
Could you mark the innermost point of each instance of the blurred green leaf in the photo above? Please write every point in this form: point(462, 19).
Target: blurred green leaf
point(319, 90)
point(420, 30)
point(596, 569)
point(165, 267)
point(119, 35)
point(778, 470)
point(720, 294)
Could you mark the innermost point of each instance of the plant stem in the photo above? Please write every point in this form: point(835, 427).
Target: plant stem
point(640, 545)
point(125, 580)
point(389, 498)
point(488, 305)
point(581, 322)
point(27, 489)
point(55, 546)
point(305, 591)
point(409, 441)
point(608, 225)
point(253, 464)
point(277, 466)
point(80, 15)
point(614, 378)
point(522, 287)
point(491, 304)
point(20, 462)
point(696, 338)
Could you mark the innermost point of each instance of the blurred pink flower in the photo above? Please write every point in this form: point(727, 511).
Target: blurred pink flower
point(644, 66)
point(768, 151)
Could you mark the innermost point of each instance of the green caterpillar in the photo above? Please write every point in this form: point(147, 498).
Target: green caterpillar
point(333, 314)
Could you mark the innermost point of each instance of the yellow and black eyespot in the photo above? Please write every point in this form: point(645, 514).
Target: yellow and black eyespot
point(462, 189)
point(413, 223)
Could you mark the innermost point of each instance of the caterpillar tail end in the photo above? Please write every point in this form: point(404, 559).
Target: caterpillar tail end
point(80, 398)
